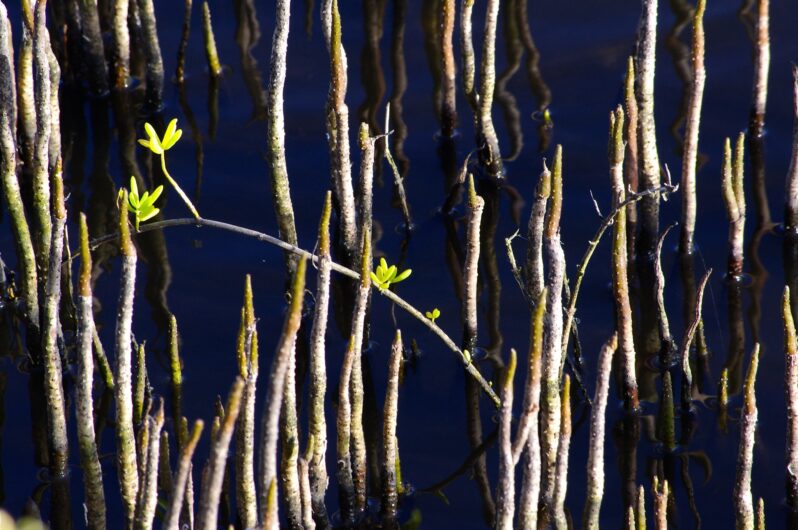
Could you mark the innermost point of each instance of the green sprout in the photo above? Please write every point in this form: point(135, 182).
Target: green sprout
point(432, 315)
point(384, 276)
point(159, 146)
point(143, 207)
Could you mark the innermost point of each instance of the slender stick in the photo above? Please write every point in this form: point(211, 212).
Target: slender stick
point(152, 53)
point(281, 189)
point(215, 470)
point(693, 120)
point(595, 455)
point(246, 494)
point(581, 268)
point(25, 97)
point(340, 269)
point(487, 83)
point(529, 416)
point(53, 377)
point(734, 199)
point(552, 341)
point(631, 165)
point(668, 345)
point(528, 437)
point(563, 451)
point(684, 352)
point(791, 397)
point(214, 66)
point(338, 135)
point(620, 263)
point(660, 505)
point(358, 447)
point(41, 150)
point(390, 413)
point(505, 489)
point(289, 435)
point(761, 69)
point(346, 487)
point(317, 466)
point(121, 39)
point(182, 478)
point(448, 70)
point(304, 489)
point(467, 51)
point(641, 509)
point(533, 269)
point(180, 71)
point(8, 174)
point(647, 137)
point(476, 205)
point(743, 500)
point(274, 397)
point(149, 488)
point(791, 194)
point(84, 404)
point(126, 445)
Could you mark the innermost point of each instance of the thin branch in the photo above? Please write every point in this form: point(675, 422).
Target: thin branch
point(340, 269)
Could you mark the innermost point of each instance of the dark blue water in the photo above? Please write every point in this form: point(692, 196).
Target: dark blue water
point(199, 274)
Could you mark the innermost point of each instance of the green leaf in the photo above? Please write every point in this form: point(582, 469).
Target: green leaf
point(403, 276)
point(134, 188)
point(156, 194)
point(151, 214)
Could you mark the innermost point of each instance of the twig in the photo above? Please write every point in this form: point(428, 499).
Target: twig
point(487, 82)
point(121, 39)
point(338, 135)
point(595, 455)
point(660, 504)
point(246, 494)
point(41, 148)
point(212, 55)
point(172, 517)
point(317, 467)
point(734, 199)
point(668, 346)
point(528, 436)
point(448, 70)
point(743, 501)
point(476, 205)
point(467, 51)
point(126, 445)
point(692, 123)
point(791, 193)
point(791, 397)
point(761, 69)
point(340, 269)
point(630, 159)
point(213, 476)
point(581, 268)
point(148, 496)
point(647, 137)
point(152, 53)
point(53, 377)
point(533, 268)
point(289, 441)
point(398, 180)
point(281, 190)
point(552, 342)
point(358, 440)
point(563, 452)
point(8, 174)
point(84, 405)
point(180, 71)
point(390, 413)
point(505, 489)
point(620, 263)
point(274, 397)
point(684, 352)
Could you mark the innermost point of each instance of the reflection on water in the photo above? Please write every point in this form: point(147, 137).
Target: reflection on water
point(399, 63)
